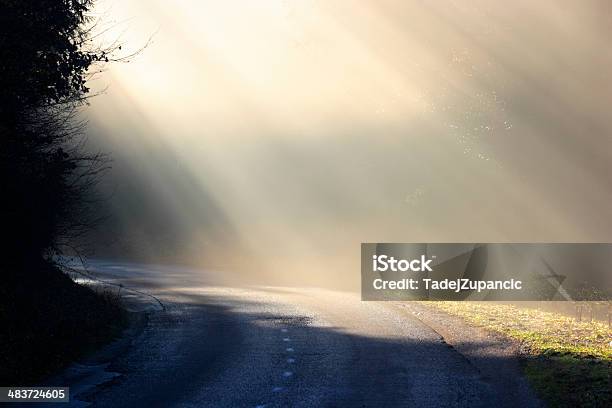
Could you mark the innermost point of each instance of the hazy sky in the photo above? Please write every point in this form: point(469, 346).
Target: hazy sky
point(282, 134)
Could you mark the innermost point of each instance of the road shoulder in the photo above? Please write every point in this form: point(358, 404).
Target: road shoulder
point(496, 357)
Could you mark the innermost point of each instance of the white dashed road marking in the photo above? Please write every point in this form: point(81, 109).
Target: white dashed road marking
point(286, 374)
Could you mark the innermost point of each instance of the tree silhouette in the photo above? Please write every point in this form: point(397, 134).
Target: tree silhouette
point(46, 53)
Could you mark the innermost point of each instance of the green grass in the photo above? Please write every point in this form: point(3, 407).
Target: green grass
point(568, 363)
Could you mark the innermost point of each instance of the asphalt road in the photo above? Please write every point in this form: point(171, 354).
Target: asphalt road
point(278, 347)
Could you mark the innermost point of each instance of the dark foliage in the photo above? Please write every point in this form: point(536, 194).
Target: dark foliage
point(45, 56)
point(49, 322)
point(41, 50)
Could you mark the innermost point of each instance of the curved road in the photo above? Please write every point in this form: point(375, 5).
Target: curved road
point(280, 347)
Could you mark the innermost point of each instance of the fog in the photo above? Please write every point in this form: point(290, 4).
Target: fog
point(268, 139)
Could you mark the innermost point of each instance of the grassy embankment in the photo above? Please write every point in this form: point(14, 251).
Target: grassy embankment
point(48, 321)
point(569, 363)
